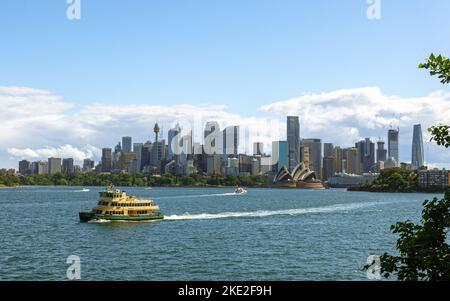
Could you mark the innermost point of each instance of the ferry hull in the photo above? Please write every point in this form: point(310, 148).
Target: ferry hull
point(89, 216)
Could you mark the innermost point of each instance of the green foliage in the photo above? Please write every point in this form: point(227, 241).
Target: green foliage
point(438, 65)
point(123, 179)
point(440, 134)
point(424, 252)
point(392, 180)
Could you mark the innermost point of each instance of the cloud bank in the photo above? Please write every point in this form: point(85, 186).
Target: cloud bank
point(38, 124)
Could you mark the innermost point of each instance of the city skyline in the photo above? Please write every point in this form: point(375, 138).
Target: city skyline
point(324, 158)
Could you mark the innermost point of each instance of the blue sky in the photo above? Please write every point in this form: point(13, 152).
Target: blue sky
point(240, 53)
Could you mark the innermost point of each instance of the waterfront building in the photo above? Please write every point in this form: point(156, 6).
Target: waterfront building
point(393, 152)
point(435, 178)
point(315, 155)
point(107, 159)
point(54, 165)
point(126, 144)
point(293, 140)
point(417, 156)
point(67, 166)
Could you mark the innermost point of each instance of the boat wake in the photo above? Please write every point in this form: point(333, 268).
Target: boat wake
point(82, 190)
point(265, 213)
point(197, 195)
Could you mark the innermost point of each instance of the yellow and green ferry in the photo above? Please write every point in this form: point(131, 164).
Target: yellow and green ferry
point(116, 205)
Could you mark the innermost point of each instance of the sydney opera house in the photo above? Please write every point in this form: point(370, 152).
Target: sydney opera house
point(300, 177)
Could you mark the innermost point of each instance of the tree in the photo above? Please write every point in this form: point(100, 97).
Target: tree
point(424, 251)
point(440, 66)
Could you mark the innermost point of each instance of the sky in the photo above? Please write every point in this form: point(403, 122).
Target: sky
point(71, 87)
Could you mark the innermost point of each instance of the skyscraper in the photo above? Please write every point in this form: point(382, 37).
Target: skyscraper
point(381, 152)
point(417, 156)
point(126, 144)
point(315, 155)
point(137, 149)
point(393, 145)
point(367, 154)
point(106, 160)
point(293, 139)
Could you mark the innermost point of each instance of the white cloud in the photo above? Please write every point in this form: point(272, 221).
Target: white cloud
point(37, 123)
point(64, 151)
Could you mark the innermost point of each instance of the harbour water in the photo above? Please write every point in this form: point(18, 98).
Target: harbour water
point(208, 234)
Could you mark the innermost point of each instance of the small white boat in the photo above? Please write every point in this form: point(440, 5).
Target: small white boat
point(85, 190)
point(240, 190)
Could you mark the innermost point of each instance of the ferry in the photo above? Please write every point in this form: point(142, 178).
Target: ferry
point(116, 205)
